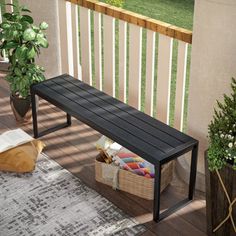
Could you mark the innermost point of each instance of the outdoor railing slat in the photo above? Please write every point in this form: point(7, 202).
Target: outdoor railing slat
point(164, 77)
point(75, 39)
point(135, 63)
point(85, 37)
point(67, 64)
point(180, 85)
point(98, 49)
point(109, 54)
point(9, 8)
point(122, 60)
point(150, 60)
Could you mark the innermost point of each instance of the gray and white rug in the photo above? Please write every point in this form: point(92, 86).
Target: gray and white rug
point(51, 201)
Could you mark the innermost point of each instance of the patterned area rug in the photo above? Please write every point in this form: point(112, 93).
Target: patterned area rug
point(51, 201)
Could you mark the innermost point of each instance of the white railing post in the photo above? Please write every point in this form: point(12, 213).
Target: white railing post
point(164, 77)
point(8, 7)
point(180, 85)
point(75, 40)
point(98, 49)
point(122, 60)
point(109, 54)
point(67, 64)
point(150, 58)
point(85, 39)
point(135, 59)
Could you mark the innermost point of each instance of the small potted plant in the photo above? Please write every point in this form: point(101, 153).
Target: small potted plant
point(221, 161)
point(21, 41)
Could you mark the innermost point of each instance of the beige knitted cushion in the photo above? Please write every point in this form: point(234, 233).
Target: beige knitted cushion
point(21, 159)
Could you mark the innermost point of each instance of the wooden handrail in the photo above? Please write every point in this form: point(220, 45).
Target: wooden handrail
point(137, 19)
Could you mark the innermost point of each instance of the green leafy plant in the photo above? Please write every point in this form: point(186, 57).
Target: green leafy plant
point(21, 40)
point(222, 133)
point(117, 3)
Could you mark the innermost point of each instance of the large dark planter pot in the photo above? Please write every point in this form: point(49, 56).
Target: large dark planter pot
point(216, 202)
point(21, 108)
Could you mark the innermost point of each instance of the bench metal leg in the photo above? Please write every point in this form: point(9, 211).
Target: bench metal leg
point(50, 130)
point(34, 114)
point(157, 216)
point(157, 193)
point(68, 119)
point(193, 172)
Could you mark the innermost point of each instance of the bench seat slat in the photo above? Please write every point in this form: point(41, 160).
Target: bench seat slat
point(123, 116)
point(154, 123)
point(102, 102)
point(69, 91)
point(103, 126)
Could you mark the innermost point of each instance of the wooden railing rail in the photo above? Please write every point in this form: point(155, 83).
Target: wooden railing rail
point(137, 19)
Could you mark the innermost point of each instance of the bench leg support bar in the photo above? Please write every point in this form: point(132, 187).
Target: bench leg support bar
point(34, 114)
point(35, 121)
point(157, 216)
point(52, 129)
point(157, 193)
point(193, 172)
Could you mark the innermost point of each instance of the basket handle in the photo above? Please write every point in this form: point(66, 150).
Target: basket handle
point(115, 181)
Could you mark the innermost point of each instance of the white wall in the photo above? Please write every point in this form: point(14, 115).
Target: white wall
point(213, 64)
point(47, 10)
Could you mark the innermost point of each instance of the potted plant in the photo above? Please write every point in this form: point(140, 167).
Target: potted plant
point(221, 168)
point(21, 41)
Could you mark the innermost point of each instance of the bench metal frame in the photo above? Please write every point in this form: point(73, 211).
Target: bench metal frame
point(157, 216)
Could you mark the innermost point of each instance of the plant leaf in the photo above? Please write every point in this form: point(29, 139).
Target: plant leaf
point(21, 53)
point(10, 4)
point(25, 9)
point(42, 41)
point(7, 16)
point(11, 45)
point(27, 18)
point(5, 25)
point(43, 26)
point(31, 53)
point(29, 35)
point(18, 72)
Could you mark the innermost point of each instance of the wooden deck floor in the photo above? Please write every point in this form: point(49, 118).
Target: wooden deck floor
point(74, 149)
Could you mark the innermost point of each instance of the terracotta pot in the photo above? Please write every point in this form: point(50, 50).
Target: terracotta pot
point(21, 108)
point(216, 201)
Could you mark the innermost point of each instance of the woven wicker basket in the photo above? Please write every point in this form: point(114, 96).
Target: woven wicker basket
point(129, 182)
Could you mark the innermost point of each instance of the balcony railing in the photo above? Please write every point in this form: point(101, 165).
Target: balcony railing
point(110, 53)
point(127, 55)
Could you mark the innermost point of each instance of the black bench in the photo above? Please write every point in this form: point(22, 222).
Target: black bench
point(149, 138)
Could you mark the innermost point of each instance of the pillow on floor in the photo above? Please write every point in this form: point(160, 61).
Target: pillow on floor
point(21, 159)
